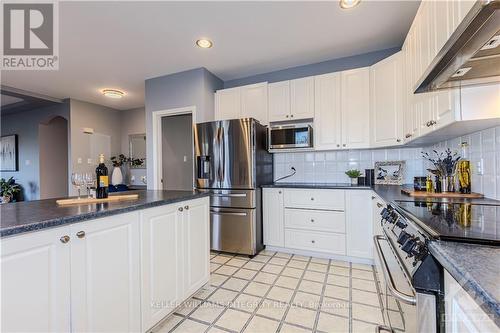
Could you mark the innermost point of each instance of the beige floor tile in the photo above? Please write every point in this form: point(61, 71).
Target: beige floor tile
point(267, 253)
point(283, 255)
point(246, 274)
point(261, 325)
point(222, 296)
point(338, 280)
point(246, 302)
point(233, 320)
point(333, 324)
point(168, 324)
point(274, 269)
point(220, 260)
point(216, 330)
point(311, 287)
point(254, 265)
point(226, 270)
point(337, 292)
point(214, 266)
point(301, 316)
point(301, 258)
point(306, 300)
point(365, 297)
point(257, 289)
point(362, 266)
point(287, 282)
point(261, 258)
point(361, 327)
point(367, 313)
point(286, 328)
point(292, 272)
point(297, 264)
point(235, 284)
point(315, 276)
point(265, 277)
point(190, 326)
point(236, 262)
point(361, 274)
point(278, 261)
point(280, 294)
point(364, 285)
point(188, 306)
point(320, 261)
point(339, 270)
point(207, 312)
point(204, 292)
point(335, 306)
point(317, 267)
point(272, 309)
point(340, 263)
point(217, 279)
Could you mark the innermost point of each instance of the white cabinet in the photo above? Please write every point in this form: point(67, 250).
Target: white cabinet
point(228, 103)
point(302, 98)
point(327, 112)
point(242, 102)
point(273, 220)
point(386, 85)
point(105, 274)
point(359, 224)
point(36, 282)
point(355, 103)
point(279, 101)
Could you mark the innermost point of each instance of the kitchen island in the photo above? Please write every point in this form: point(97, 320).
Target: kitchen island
point(119, 266)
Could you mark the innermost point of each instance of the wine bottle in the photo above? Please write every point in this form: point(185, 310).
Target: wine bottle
point(102, 179)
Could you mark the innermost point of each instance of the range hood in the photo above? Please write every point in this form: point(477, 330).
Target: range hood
point(471, 55)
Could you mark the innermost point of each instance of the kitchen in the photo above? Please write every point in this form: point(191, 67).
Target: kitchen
point(294, 196)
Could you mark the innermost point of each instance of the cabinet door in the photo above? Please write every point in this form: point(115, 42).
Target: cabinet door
point(36, 282)
point(273, 223)
point(161, 262)
point(327, 112)
point(254, 102)
point(105, 275)
point(302, 98)
point(359, 224)
point(386, 101)
point(279, 101)
point(196, 239)
point(356, 108)
point(228, 103)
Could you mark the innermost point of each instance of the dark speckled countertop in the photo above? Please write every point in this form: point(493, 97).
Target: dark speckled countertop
point(476, 268)
point(28, 216)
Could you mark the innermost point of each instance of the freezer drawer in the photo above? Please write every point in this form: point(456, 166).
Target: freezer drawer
point(233, 230)
point(233, 198)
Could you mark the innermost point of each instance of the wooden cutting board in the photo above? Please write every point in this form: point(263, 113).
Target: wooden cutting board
point(111, 198)
point(421, 194)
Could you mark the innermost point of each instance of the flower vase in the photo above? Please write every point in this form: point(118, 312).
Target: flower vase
point(117, 176)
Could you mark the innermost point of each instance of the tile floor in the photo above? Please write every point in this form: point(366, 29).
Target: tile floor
point(280, 292)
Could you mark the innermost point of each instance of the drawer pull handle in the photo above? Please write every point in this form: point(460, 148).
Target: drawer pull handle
point(313, 241)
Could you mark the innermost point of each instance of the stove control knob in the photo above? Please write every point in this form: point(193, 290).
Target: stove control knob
point(409, 246)
point(383, 212)
point(401, 224)
point(403, 237)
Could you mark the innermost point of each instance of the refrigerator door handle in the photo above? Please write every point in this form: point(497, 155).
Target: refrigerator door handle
point(223, 154)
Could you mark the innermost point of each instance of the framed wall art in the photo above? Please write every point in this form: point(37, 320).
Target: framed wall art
point(9, 154)
point(389, 172)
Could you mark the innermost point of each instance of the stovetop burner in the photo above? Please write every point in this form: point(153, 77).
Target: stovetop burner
point(463, 222)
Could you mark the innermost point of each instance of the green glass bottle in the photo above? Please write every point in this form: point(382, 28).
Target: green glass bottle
point(463, 171)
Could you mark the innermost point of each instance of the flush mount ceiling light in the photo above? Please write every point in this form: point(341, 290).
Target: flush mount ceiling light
point(347, 4)
point(113, 93)
point(204, 43)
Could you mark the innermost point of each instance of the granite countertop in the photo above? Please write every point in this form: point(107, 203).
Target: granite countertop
point(476, 268)
point(28, 216)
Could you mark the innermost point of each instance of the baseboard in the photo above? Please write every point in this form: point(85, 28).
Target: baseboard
point(308, 253)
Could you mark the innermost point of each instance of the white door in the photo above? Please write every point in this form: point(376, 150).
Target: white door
point(105, 275)
point(161, 262)
point(254, 102)
point(35, 270)
point(196, 243)
point(359, 224)
point(273, 224)
point(228, 103)
point(327, 112)
point(386, 87)
point(302, 98)
point(356, 108)
point(279, 101)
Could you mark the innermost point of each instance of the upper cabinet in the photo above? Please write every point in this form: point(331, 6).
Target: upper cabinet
point(242, 102)
point(279, 101)
point(327, 112)
point(291, 100)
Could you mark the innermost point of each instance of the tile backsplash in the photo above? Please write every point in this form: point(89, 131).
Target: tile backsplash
point(329, 166)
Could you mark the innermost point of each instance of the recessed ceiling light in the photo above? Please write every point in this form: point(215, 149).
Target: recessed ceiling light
point(346, 4)
point(204, 43)
point(113, 93)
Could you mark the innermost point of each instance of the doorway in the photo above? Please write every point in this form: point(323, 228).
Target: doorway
point(177, 168)
point(53, 158)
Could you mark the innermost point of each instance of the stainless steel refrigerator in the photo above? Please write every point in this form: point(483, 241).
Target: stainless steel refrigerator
point(232, 162)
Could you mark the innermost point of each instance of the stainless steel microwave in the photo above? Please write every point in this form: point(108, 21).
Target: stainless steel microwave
point(291, 136)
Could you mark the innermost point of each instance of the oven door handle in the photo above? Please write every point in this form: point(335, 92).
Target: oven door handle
point(405, 298)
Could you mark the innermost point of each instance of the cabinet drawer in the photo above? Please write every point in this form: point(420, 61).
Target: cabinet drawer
point(315, 241)
point(314, 199)
point(321, 220)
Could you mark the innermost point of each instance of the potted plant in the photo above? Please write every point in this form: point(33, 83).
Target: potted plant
point(117, 175)
point(8, 189)
point(353, 174)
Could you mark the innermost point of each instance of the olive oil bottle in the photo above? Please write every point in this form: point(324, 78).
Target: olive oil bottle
point(463, 170)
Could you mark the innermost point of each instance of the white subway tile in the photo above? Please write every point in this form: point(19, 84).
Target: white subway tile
point(488, 140)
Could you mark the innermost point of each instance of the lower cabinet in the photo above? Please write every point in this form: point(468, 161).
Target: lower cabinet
point(359, 223)
point(273, 221)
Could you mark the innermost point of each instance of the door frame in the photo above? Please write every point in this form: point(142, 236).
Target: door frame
point(157, 138)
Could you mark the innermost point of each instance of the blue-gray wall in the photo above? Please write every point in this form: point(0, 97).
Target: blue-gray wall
point(324, 67)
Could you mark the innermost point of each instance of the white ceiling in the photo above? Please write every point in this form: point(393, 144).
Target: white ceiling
point(120, 44)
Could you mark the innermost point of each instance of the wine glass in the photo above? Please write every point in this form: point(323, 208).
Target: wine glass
point(90, 179)
point(77, 181)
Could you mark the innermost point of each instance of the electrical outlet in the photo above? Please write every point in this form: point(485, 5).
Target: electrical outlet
point(479, 167)
point(89, 161)
point(79, 160)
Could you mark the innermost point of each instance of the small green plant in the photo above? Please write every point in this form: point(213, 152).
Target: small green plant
point(8, 188)
point(353, 173)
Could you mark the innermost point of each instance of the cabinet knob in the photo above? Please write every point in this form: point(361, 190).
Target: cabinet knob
point(287, 116)
point(432, 122)
point(338, 145)
point(312, 199)
point(279, 192)
point(180, 209)
point(408, 135)
point(80, 234)
point(64, 239)
point(398, 140)
point(428, 124)
point(312, 220)
point(344, 145)
point(186, 207)
point(291, 116)
point(313, 241)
